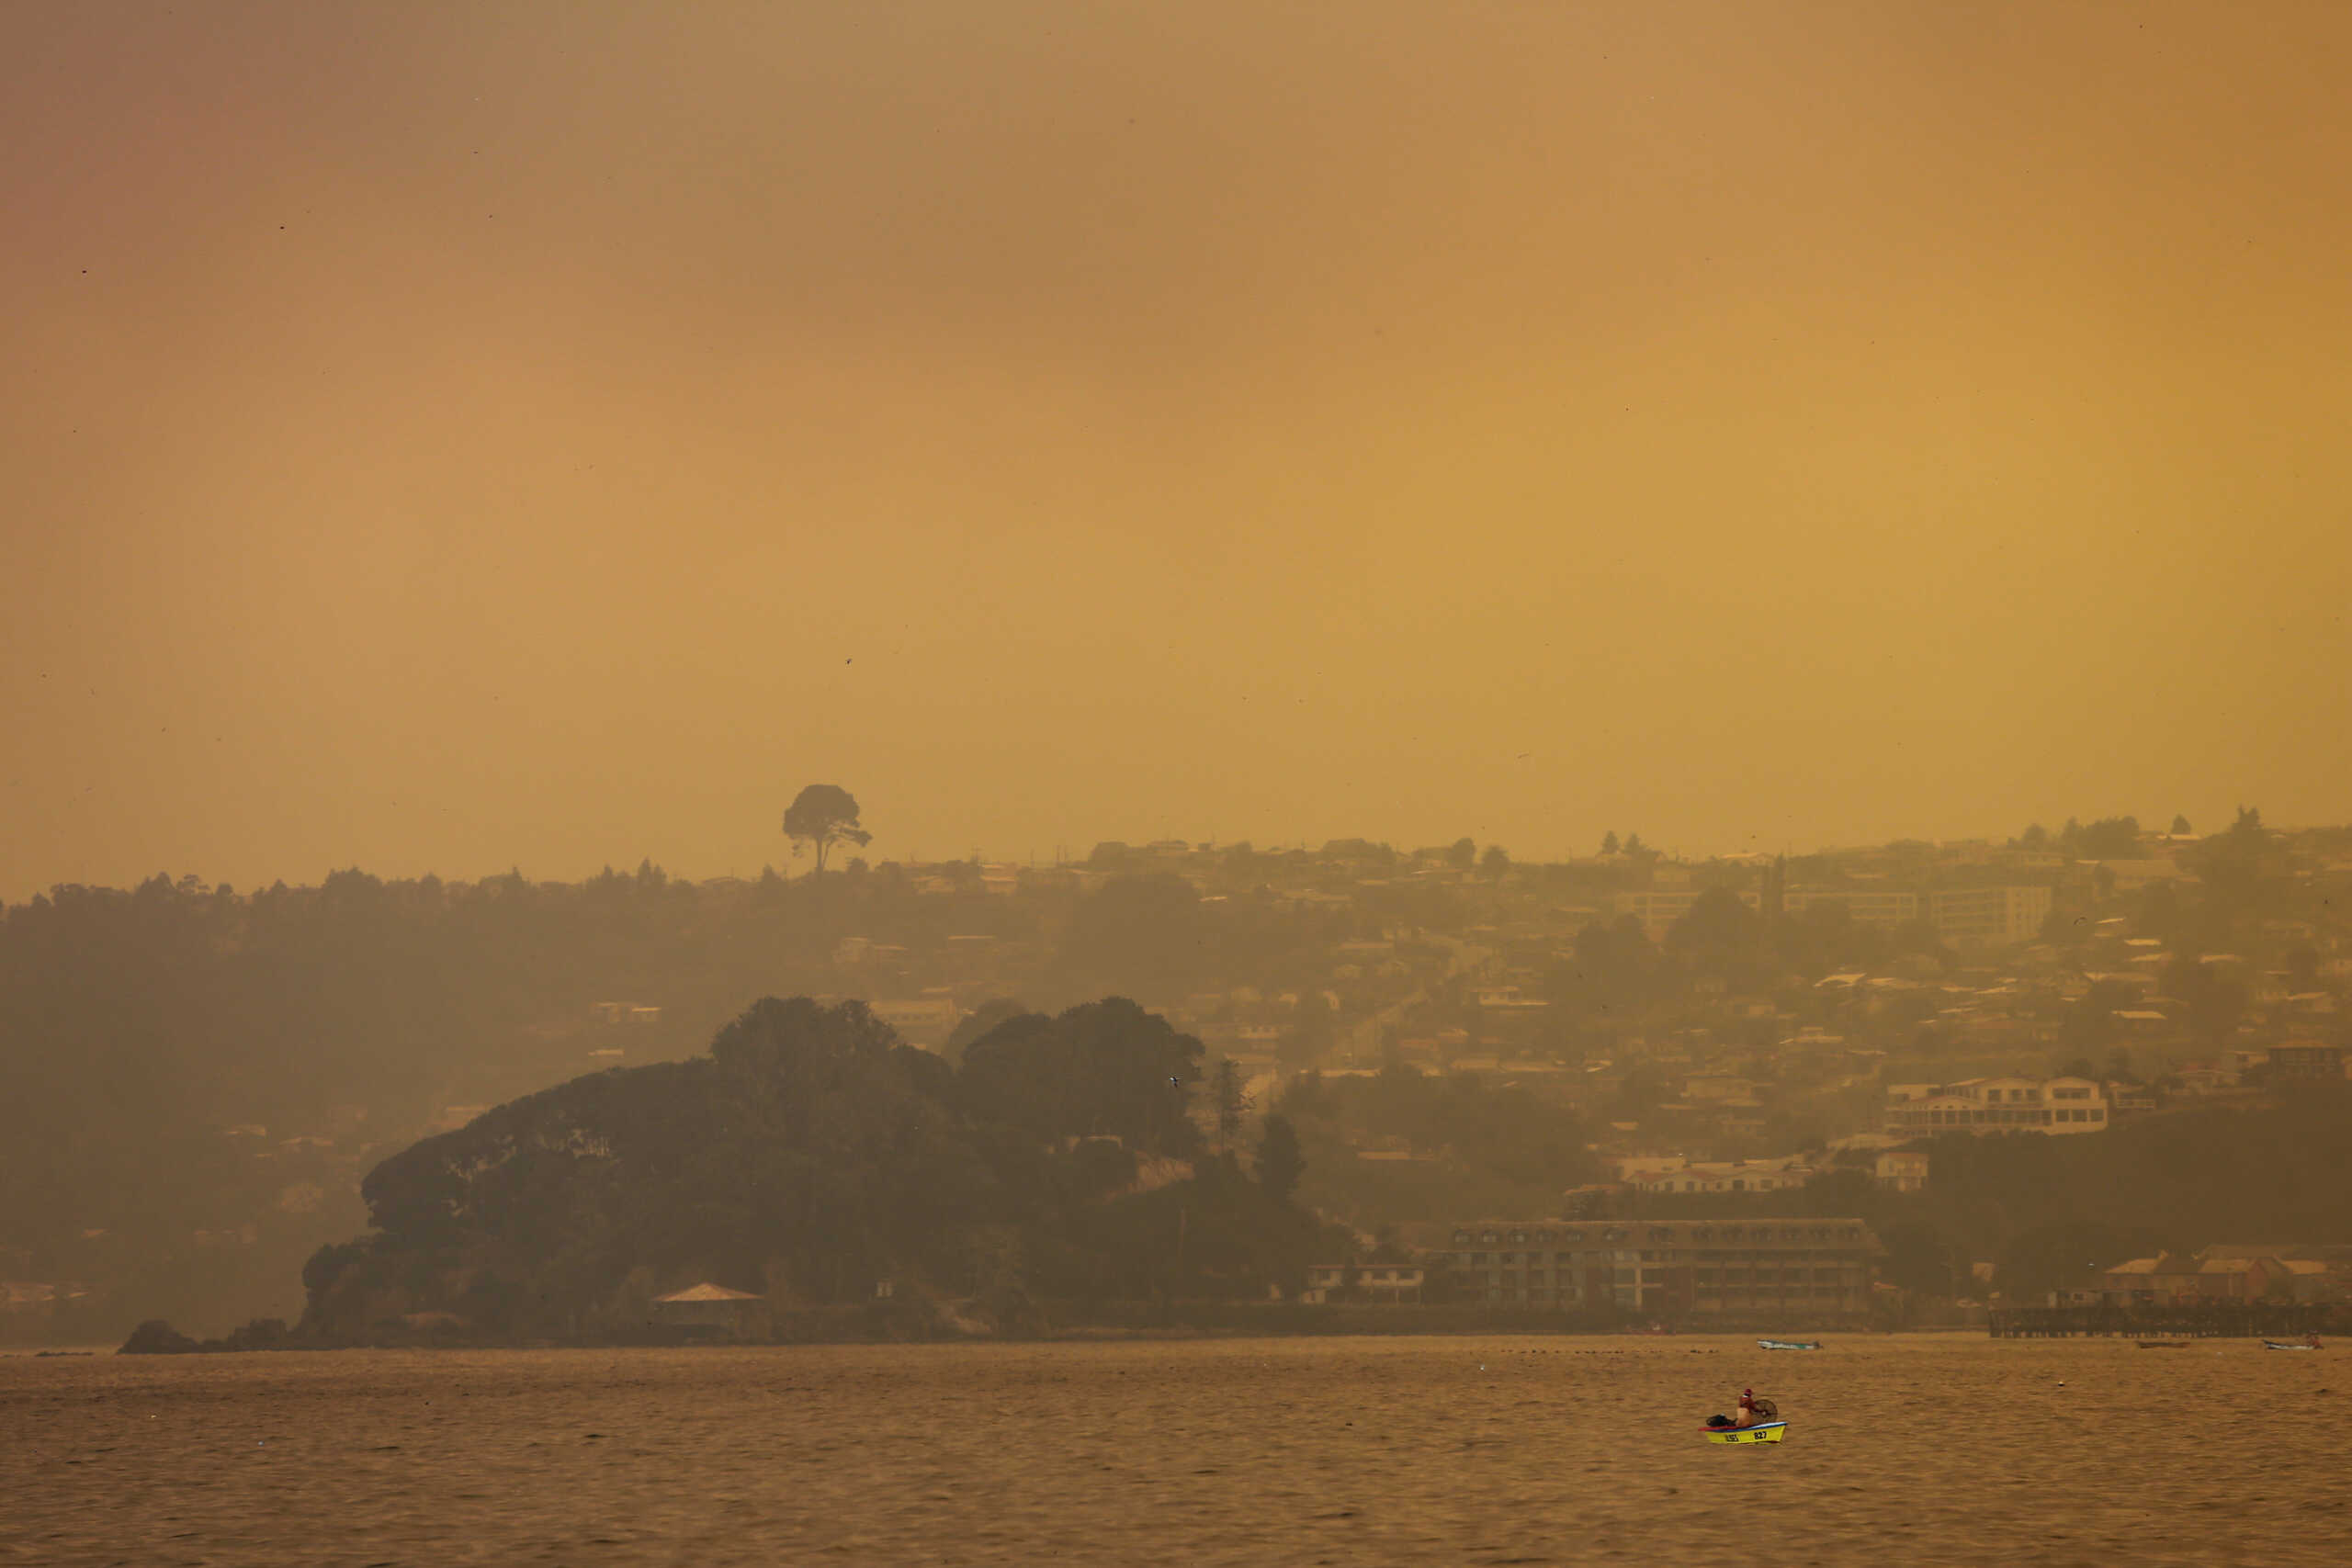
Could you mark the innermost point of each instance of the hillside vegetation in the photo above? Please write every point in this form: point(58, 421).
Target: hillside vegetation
point(809, 1158)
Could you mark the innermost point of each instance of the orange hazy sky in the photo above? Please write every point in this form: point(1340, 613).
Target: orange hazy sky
point(454, 438)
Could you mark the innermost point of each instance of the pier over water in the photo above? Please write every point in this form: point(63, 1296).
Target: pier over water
point(2216, 1320)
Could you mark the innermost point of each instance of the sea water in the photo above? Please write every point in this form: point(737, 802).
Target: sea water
point(1926, 1450)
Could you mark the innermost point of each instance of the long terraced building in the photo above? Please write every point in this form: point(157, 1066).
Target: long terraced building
point(1692, 1269)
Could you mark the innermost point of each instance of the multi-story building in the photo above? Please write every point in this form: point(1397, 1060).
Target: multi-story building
point(1723, 1176)
point(2305, 1060)
point(1997, 1105)
point(1969, 916)
point(1988, 917)
point(1869, 907)
point(1818, 1269)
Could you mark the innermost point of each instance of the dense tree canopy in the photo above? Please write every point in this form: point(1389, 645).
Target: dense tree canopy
point(1105, 1068)
point(809, 1156)
point(2109, 838)
point(1721, 939)
point(1280, 1161)
point(1616, 969)
point(1477, 1149)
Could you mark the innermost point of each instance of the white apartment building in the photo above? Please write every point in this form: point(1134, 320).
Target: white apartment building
point(1988, 917)
point(1966, 917)
point(2061, 1105)
point(1726, 1175)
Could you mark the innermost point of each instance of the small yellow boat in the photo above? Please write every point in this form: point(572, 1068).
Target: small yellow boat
point(1762, 1432)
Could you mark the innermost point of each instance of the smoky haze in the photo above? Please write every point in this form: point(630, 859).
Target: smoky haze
point(451, 439)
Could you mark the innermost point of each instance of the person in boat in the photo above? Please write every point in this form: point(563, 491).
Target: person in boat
point(1747, 1414)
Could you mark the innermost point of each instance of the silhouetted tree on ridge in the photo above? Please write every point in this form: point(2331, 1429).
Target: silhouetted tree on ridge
point(823, 815)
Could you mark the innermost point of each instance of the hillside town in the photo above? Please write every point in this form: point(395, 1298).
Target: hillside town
point(1741, 1008)
point(1617, 1036)
point(1737, 1026)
